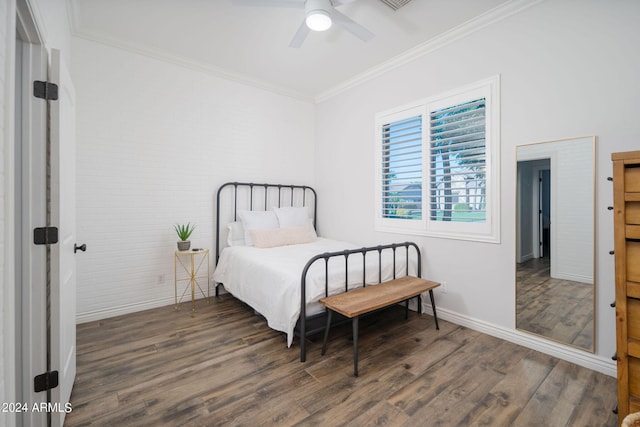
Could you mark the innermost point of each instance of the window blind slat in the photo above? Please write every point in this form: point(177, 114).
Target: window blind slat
point(452, 139)
point(470, 104)
point(461, 120)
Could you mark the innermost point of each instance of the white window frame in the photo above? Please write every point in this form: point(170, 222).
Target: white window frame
point(488, 231)
point(410, 225)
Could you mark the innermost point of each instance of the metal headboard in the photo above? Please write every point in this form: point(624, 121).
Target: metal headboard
point(264, 195)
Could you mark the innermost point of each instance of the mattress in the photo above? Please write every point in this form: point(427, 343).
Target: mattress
point(268, 279)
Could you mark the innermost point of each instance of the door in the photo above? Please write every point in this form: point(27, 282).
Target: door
point(542, 251)
point(31, 354)
point(63, 215)
point(545, 212)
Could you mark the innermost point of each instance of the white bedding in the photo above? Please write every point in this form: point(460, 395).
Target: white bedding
point(268, 279)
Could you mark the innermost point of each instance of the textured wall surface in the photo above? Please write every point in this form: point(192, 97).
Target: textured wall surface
point(154, 142)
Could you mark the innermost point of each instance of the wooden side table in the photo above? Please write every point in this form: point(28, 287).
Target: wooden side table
point(195, 261)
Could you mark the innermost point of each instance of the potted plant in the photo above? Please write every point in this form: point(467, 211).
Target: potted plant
point(184, 232)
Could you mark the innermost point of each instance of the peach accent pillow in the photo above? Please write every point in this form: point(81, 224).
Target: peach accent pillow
point(270, 238)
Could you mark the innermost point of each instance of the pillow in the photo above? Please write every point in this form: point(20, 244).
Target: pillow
point(312, 230)
point(256, 220)
point(269, 238)
point(292, 217)
point(235, 237)
point(295, 217)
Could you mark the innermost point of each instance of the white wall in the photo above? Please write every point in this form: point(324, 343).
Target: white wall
point(568, 68)
point(154, 142)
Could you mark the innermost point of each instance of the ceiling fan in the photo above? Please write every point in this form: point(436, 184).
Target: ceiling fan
point(319, 16)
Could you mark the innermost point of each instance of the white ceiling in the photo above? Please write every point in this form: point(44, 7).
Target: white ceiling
point(250, 44)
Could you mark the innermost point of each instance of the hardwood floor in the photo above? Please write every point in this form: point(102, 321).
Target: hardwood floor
point(222, 365)
point(561, 310)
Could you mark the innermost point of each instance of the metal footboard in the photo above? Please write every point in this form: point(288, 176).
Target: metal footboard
point(304, 329)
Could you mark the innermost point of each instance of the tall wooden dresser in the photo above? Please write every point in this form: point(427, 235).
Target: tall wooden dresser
point(626, 201)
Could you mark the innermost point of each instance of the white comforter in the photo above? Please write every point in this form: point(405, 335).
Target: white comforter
point(269, 279)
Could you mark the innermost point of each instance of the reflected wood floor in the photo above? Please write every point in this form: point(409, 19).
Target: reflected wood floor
point(222, 365)
point(561, 310)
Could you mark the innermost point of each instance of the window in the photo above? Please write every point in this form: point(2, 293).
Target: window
point(438, 163)
point(402, 168)
point(457, 160)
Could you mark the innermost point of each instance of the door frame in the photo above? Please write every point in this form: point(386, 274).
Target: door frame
point(536, 212)
point(27, 318)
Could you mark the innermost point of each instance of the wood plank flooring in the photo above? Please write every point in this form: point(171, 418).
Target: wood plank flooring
point(222, 365)
point(561, 310)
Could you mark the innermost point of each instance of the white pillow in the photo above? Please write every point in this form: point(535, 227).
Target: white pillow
point(235, 237)
point(295, 217)
point(257, 220)
point(292, 216)
point(312, 230)
point(280, 237)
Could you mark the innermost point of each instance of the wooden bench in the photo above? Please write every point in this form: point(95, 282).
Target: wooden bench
point(364, 300)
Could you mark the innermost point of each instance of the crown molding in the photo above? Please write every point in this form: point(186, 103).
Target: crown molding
point(193, 65)
point(180, 61)
point(492, 16)
point(465, 29)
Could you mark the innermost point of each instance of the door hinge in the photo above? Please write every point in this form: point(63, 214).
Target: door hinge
point(46, 381)
point(45, 90)
point(45, 235)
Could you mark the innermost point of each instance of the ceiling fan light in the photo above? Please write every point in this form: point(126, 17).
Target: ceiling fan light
point(318, 20)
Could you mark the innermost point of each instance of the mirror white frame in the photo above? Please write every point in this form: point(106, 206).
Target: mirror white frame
point(555, 240)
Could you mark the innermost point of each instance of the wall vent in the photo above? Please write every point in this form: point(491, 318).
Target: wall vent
point(395, 4)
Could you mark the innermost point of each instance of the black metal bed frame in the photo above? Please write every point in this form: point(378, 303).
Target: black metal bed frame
point(307, 326)
point(318, 321)
point(300, 190)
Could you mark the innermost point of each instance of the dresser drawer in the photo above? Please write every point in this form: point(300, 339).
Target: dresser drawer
point(634, 377)
point(631, 180)
point(633, 266)
point(632, 213)
point(633, 318)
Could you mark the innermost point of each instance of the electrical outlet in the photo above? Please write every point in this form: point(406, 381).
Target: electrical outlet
point(443, 287)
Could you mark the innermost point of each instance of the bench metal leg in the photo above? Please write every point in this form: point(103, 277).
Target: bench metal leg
point(406, 309)
point(433, 306)
point(326, 332)
point(354, 323)
point(419, 304)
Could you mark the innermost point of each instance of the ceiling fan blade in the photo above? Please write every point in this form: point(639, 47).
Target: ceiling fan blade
point(353, 27)
point(300, 35)
point(298, 4)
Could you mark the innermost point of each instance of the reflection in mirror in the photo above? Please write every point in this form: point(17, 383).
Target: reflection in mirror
point(555, 235)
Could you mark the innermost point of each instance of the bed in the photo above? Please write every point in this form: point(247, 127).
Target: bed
point(269, 256)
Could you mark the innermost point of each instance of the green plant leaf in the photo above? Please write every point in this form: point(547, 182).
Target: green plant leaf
point(184, 230)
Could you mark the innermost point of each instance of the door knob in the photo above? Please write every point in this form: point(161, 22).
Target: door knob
point(82, 247)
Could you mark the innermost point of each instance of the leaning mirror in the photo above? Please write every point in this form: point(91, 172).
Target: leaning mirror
point(555, 240)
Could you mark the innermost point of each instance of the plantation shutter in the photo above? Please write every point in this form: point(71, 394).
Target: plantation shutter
point(402, 168)
point(457, 177)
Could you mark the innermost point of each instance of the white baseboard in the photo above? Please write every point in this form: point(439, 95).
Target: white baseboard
point(604, 365)
point(90, 316)
point(587, 280)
